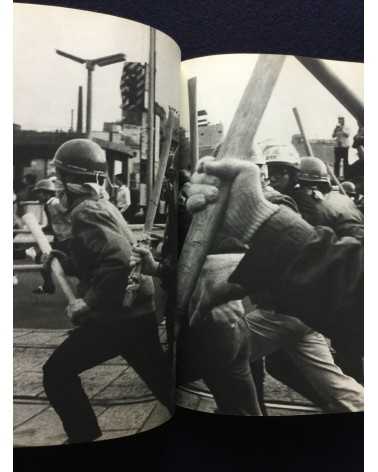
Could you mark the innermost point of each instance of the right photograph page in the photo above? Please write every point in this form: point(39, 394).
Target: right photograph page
point(271, 228)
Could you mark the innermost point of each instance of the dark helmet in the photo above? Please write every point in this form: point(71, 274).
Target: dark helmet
point(313, 169)
point(349, 187)
point(81, 157)
point(46, 185)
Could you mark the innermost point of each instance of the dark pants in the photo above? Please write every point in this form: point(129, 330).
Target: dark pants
point(136, 340)
point(341, 154)
point(220, 355)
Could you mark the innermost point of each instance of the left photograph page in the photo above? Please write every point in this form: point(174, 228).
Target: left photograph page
point(96, 141)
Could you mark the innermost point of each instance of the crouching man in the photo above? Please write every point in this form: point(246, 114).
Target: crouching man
point(101, 250)
point(290, 266)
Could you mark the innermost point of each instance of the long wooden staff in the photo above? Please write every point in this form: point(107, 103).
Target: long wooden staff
point(237, 143)
point(153, 204)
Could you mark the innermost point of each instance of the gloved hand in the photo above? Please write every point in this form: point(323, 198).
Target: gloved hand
point(229, 313)
point(142, 255)
point(77, 311)
point(212, 288)
point(46, 259)
point(247, 208)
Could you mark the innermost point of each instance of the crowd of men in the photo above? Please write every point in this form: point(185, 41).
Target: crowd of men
point(302, 268)
point(281, 290)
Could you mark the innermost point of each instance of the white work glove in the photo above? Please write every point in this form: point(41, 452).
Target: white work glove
point(77, 311)
point(247, 208)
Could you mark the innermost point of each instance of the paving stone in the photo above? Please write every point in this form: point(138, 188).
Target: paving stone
point(42, 338)
point(43, 430)
point(285, 412)
point(19, 333)
point(187, 400)
point(98, 378)
point(25, 411)
point(28, 384)
point(159, 415)
point(129, 384)
point(207, 405)
point(275, 391)
point(25, 359)
point(116, 434)
point(130, 417)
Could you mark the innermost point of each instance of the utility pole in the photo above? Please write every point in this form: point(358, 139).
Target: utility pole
point(90, 64)
point(72, 120)
point(192, 91)
point(79, 122)
point(151, 112)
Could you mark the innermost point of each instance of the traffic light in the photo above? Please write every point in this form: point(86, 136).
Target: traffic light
point(133, 82)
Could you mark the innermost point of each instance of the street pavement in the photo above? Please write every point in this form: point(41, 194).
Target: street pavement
point(123, 403)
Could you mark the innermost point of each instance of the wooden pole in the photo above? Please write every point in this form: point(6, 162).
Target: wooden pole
point(153, 202)
point(193, 120)
point(151, 113)
point(237, 143)
point(43, 243)
point(302, 131)
point(335, 86)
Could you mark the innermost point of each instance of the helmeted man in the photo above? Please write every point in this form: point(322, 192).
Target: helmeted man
point(305, 262)
point(321, 206)
point(283, 165)
point(309, 185)
point(305, 350)
point(101, 250)
point(349, 188)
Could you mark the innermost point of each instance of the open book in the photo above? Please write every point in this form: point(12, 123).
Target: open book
point(185, 233)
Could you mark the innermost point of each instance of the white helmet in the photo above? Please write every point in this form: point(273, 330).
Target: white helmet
point(284, 154)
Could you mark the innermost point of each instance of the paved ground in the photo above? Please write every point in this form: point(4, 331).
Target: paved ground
point(279, 399)
point(122, 401)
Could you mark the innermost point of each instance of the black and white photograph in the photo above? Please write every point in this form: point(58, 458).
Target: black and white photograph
point(96, 136)
point(270, 269)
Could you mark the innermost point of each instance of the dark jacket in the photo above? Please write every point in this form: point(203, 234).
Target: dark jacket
point(310, 273)
point(101, 250)
point(335, 210)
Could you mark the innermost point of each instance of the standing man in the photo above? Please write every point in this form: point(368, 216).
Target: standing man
point(341, 133)
point(123, 194)
point(101, 250)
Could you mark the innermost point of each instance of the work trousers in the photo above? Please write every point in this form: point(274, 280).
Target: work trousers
point(136, 340)
point(341, 154)
point(310, 356)
point(220, 355)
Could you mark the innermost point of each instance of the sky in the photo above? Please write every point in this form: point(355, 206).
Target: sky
point(221, 81)
point(46, 85)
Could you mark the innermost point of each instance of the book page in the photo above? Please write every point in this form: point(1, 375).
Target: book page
point(95, 135)
point(270, 296)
